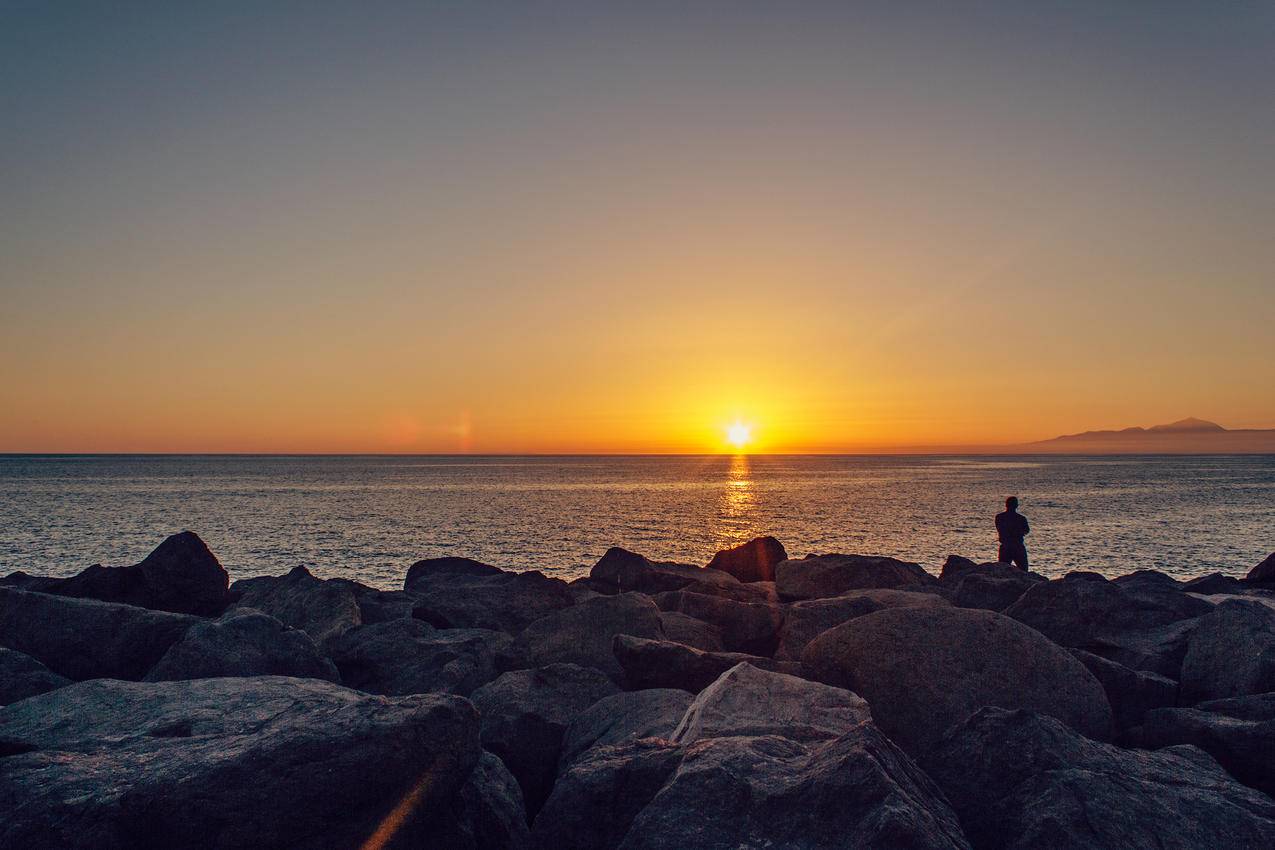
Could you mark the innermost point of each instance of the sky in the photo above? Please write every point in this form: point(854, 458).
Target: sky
point(623, 227)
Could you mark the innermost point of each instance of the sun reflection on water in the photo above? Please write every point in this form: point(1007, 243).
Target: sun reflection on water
point(737, 506)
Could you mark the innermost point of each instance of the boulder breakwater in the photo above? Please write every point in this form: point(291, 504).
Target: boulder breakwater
point(759, 701)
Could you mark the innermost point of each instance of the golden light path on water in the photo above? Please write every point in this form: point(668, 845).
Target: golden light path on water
point(737, 505)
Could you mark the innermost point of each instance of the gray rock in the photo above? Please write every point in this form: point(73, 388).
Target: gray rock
point(749, 627)
point(624, 717)
point(486, 814)
point(525, 714)
point(1214, 583)
point(412, 657)
point(243, 642)
point(685, 629)
point(582, 634)
point(1157, 650)
point(626, 571)
point(992, 589)
point(1024, 780)
point(923, 669)
point(805, 621)
point(1263, 573)
point(751, 702)
point(1243, 745)
point(665, 664)
point(751, 561)
point(378, 606)
point(1231, 653)
point(21, 676)
point(87, 639)
point(821, 576)
point(454, 593)
point(227, 763)
point(1148, 580)
point(322, 609)
point(1132, 693)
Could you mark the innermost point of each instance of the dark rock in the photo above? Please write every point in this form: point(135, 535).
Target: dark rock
point(1231, 653)
point(486, 814)
point(1244, 745)
point(228, 763)
point(455, 595)
point(1020, 780)
point(21, 676)
point(955, 566)
point(624, 717)
point(87, 639)
point(1132, 693)
point(1254, 707)
point(858, 790)
point(1263, 573)
point(805, 621)
point(748, 701)
point(923, 669)
point(751, 561)
point(582, 634)
point(664, 664)
point(821, 576)
point(322, 609)
point(524, 716)
point(180, 576)
point(1214, 583)
point(1148, 580)
point(626, 571)
point(683, 628)
point(378, 606)
point(750, 627)
point(992, 590)
point(412, 657)
point(243, 642)
point(1157, 650)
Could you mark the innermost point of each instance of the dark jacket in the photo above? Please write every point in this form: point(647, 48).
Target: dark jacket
point(1011, 527)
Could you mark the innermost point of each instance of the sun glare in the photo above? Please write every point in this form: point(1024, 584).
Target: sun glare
point(739, 435)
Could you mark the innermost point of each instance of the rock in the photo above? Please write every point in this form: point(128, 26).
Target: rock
point(486, 814)
point(821, 576)
point(955, 566)
point(1254, 707)
point(596, 798)
point(626, 571)
point(378, 606)
point(1132, 693)
point(751, 702)
point(1243, 745)
point(751, 561)
point(524, 716)
point(624, 717)
point(454, 593)
point(1214, 583)
point(243, 642)
point(322, 609)
point(87, 639)
point(992, 590)
point(1024, 780)
point(181, 576)
point(1263, 573)
point(412, 657)
point(858, 790)
point(685, 629)
point(21, 676)
point(1231, 653)
point(923, 669)
point(1158, 650)
point(805, 621)
point(750, 627)
point(665, 664)
point(1148, 580)
point(228, 763)
point(582, 634)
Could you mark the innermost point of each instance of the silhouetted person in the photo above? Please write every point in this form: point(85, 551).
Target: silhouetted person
point(1011, 528)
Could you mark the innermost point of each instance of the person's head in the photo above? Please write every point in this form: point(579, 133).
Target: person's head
point(1011, 504)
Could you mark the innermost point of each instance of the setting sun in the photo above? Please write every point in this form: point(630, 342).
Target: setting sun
point(739, 435)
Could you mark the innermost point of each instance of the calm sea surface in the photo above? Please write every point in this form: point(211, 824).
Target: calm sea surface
point(369, 518)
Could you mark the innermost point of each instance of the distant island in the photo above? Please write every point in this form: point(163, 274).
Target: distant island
point(1186, 436)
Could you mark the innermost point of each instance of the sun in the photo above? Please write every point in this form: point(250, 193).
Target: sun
point(739, 434)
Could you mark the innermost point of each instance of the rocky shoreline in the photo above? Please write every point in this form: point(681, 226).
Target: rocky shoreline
point(759, 701)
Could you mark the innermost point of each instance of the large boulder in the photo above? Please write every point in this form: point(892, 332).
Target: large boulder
point(749, 627)
point(582, 634)
point(1157, 650)
point(87, 639)
point(243, 642)
point(748, 701)
point(412, 657)
point(821, 576)
point(665, 664)
point(525, 714)
point(1147, 580)
point(1021, 781)
point(683, 628)
point(322, 609)
point(375, 605)
point(21, 676)
point(621, 571)
point(229, 763)
point(992, 589)
point(624, 717)
point(1213, 584)
point(486, 814)
point(923, 669)
point(1132, 693)
point(181, 576)
point(1263, 573)
point(805, 621)
point(456, 593)
point(1238, 732)
point(751, 561)
point(1231, 653)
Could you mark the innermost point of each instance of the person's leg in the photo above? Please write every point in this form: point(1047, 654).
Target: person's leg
point(1004, 553)
point(1022, 553)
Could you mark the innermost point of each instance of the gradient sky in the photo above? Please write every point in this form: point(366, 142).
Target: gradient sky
point(620, 227)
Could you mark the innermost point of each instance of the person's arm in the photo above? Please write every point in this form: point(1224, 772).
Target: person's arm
point(1026, 528)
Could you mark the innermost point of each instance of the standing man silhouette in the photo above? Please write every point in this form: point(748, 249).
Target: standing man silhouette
point(1011, 528)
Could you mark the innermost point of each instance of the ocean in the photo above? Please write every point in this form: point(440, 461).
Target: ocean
point(370, 517)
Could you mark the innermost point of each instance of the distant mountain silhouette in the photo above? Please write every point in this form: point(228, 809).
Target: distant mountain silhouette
point(1186, 436)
